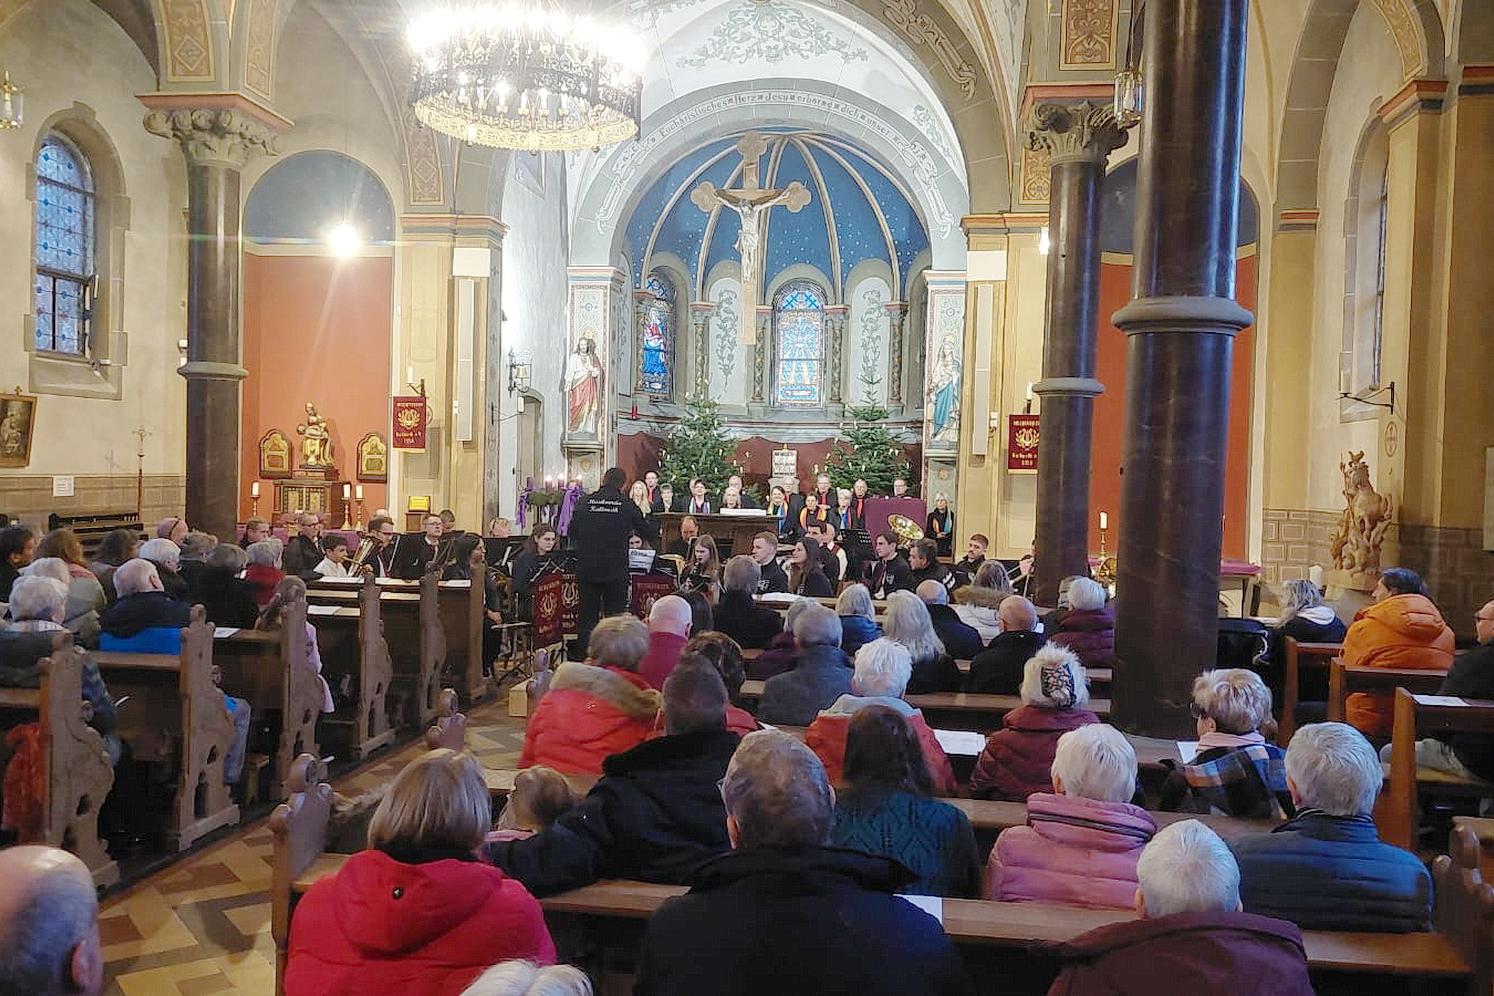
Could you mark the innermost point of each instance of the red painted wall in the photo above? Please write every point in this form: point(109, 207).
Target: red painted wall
point(1110, 411)
point(316, 329)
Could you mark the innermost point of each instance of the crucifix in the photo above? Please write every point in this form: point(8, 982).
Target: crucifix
point(752, 203)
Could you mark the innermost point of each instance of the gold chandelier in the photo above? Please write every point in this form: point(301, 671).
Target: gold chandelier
point(525, 75)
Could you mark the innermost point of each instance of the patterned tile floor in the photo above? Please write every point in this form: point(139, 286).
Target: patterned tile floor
point(203, 924)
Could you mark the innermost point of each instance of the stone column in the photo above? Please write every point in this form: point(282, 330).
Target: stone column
point(700, 321)
point(216, 143)
point(1078, 139)
point(835, 323)
point(897, 315)
point(1180, 330)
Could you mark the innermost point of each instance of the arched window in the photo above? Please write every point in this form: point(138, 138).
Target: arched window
point(1383, 210)
point(64, 247)
point(799, 338)
point(1366, 224)
point(656, 337)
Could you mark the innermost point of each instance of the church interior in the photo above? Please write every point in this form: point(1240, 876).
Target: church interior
point(1115, 359)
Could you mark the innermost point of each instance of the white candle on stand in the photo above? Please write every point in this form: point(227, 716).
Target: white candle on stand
point(358, 492)
point(1104, 520)
point(254, 490)
point(347, 492)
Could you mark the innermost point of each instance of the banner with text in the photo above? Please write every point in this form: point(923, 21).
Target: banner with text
point(1022, 443)
point(408, 419)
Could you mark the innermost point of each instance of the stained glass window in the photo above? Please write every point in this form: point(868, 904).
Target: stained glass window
point(656, 337)
point(64, 246)
point(799, 328)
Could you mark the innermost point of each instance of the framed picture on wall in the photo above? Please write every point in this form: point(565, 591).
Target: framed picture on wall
point(274, 455)
point(373, 459)
point(17, 426)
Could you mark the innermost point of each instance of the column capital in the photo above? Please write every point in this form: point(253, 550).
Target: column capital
point(214, 137)
point(1082, 132)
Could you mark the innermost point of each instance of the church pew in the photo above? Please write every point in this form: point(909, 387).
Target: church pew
point(993, 815)
point(1483, 831)
point(462, 606)
point(1346, 679)
point(1299, 656)
point(196, 715)
point(351, 639)
point(1465, 905)
point(270, 671)
point(78, 776)
point(298, 828)
point(415, 651)
point(956, 710)
point(1416, 717)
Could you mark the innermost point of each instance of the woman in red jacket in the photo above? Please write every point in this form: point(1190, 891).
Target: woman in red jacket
point(416, 912)
point(596, 709)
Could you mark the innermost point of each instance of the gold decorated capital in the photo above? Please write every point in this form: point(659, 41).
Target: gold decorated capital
point(1082, 132)
point(214, 136)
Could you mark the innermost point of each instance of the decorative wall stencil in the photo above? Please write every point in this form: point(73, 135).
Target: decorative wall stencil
point(1036, 176)
point(422, 162)
point(929, 128)
point(259, 55)
point(1406, 32)
point(189, 43)
point(770, 32)
point(922, 28)
point(870, 340)
point(1009, 26)
point(1088, 40)
point(724, 329)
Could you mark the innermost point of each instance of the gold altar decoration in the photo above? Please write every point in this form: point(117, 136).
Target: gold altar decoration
point(274, 455)
point(373, 458)
point(1355, 546)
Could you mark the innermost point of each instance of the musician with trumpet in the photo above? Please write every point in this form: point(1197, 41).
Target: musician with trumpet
point(334, 562)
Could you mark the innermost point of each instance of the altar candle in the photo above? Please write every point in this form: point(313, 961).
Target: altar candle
point(1104, 520)
point(254, 490)
point(347, 492)
point(358, 492)
point(1029, 390)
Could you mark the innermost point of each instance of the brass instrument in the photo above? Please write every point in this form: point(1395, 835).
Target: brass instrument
point(355, 562)
point(907, 531)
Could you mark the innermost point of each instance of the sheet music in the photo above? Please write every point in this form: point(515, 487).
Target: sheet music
point(224, 632)
point(932, 905)
point(1441, 700)
point(321, 610)
point(962, 742)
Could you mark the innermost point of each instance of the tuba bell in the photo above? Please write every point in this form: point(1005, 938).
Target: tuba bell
point(907, 531)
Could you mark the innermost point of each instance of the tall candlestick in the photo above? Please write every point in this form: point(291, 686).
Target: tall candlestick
point(1104, 520)
point(254, 490)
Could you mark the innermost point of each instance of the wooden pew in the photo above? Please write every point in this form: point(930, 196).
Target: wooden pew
point(462, 606)
point(956, 710)
point(1483, 831)
point(1418, 716)
point(1465, 906)
point(991, 815)
point(78, 774)
point(1346, 679)
point(299, 829)
point(1299, 656)
point(351, 638)
point(413, 639)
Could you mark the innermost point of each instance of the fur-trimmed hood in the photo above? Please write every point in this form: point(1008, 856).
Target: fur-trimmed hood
point(986, 598)
point(623, 690)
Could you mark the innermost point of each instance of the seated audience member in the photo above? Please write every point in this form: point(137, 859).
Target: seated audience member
point(998, 669)
point(822, 674)
point(960, 641)
point(255, 531)
point(1018, 758)
point(144, 619)
point(416, 912)
point(172, 528)
point(884, 807)
point(1192, 936)
point(263, 573)
point(270, 620)
point(525, 978)
point(1306, 619)
point(49, 923)
point(978, 602)
point(656, 813)
point(17, 548)
point(539, 798)
point(1469, 755)
point(1088, 627)
point(84, 590)
point(702, 570)
point(784, 913)
point(889, 571)
point(117, 546)
point(85, 598)
point(303, 549)
point(227, 598)
point(1326, 869)
point(669, 621)
point(858, 618)
point(879, 679)
point(725, 655)
point(975, 555)
point(923, 564)
point(1081, 840)
point(597, 708)
point(166, 555)
point(783, 652)
point(1051, 619)
point(195, 547)
point(765, 555)
point(737, 615)
point(1401, 628)
point(1236, 772)
point(907, 621)
point(806, 571)
point(334, 562)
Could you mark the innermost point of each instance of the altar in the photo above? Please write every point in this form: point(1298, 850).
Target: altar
point(732, 533)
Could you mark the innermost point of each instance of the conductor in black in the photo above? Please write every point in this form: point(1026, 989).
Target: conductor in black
point(599, 533)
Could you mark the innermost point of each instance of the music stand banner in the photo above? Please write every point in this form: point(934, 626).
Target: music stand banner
point(1022, 442)
point(648, 589)
point(408, 420)
point(549, 602)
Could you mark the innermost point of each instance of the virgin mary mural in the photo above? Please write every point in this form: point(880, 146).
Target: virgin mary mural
point(944, 395)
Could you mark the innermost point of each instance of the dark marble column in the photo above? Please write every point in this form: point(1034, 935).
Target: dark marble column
point(1180, 330)
point(216, 144)
point(1077, 138)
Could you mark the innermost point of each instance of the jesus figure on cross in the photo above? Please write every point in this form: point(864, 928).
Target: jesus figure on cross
point(752, 203)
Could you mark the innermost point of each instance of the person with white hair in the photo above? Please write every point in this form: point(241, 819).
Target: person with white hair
point(1088, 627)
point(669, 621)
point(1327, 869)
point(783, 650)
point(1018, 758)
point(960, 639)
point(263, 573)
point(822, 674)
point(880, 678)
point(85, 598)
point(737, 613)
point(907, 621)
point(143, 619)
point(1081, 841)
point(784, 912)
point(858, 618)
point(525, 978)
point(1191, 936)
point(1236, 771)
point(166, 555)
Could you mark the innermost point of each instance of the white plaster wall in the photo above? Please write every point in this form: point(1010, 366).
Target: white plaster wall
point(731, 361)
point(534, 298)
point(65, 52)
point(1368, 74)
point(868, 330)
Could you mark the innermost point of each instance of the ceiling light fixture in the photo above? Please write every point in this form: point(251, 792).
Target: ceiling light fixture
point(526, 75)
point(344, 240)
point(11, 105)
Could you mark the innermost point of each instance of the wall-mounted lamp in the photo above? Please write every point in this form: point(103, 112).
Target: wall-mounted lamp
point(1363, 396)
point(12, 105)
point(519, 371)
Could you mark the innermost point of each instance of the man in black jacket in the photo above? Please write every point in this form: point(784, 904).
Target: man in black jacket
point(753, 626)
point(765, 555)
point(600, 527)
point(783, 912)
point(656, 813)
point(997, 670)
point(961, 641)
point(923, 563)
point(889, 572)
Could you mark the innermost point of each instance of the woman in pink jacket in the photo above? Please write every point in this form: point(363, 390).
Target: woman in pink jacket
point(1082, 840)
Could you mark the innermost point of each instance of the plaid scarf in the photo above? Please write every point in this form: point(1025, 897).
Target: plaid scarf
point(1249, 783)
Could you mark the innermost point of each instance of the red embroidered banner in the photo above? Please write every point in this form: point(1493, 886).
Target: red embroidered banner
point(1022, 442)
point(648, 589)
point(557, 603)
point(408, 420)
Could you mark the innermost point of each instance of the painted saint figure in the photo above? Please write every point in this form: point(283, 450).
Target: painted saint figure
point(944, 394)
point(316, 441)
point(583, 387)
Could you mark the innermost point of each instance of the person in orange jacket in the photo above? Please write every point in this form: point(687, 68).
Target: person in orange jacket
point(1401, 628)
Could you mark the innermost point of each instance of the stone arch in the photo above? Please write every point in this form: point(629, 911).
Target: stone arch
point(1415, 27)
point(193, 41)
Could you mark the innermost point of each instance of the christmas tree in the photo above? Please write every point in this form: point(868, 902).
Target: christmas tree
point(868, 451)
point(698, 447)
